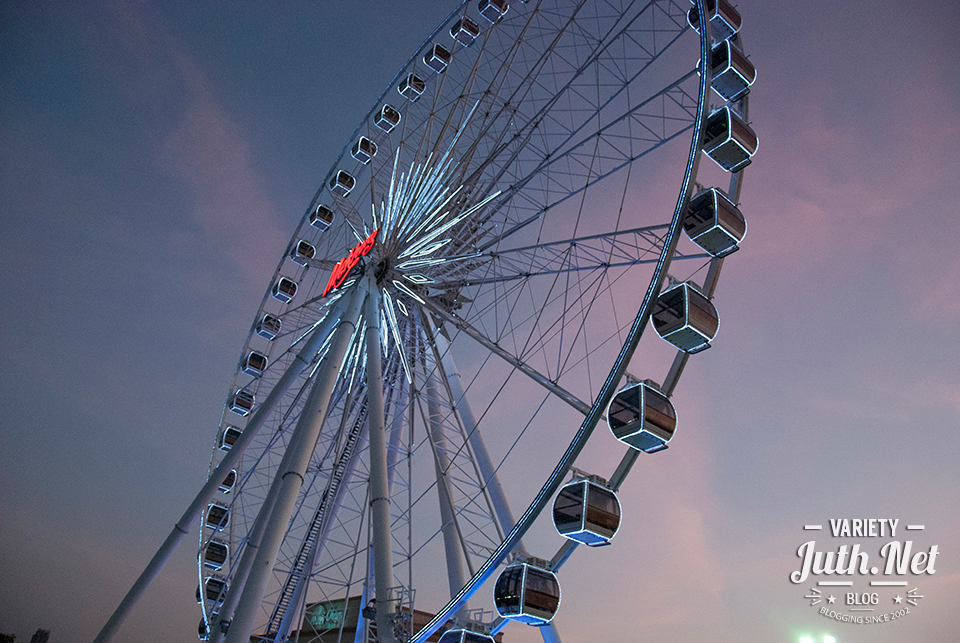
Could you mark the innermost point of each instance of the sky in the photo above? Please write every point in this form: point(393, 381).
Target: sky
point(155, 158)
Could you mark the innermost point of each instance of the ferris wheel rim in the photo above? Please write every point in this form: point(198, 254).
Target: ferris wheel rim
point(693, 157)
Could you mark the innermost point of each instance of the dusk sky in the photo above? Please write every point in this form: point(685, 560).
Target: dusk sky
point(156, 157)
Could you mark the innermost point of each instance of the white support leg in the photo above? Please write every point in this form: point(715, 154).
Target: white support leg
point(497, 497)
point(291, 474)
point(549, 633)
point(451, 538)
point(182, 527)
point(379, 486)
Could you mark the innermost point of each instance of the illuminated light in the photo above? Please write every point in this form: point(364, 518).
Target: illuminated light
point(419, 263)
point(829, 639)
point(395, 330)
point(436, 233)
point(345, 265)
point(417, 278)
point(403, 309)
point(308, 331)
point(407, 291)
point(433, 247)
point(806, 639)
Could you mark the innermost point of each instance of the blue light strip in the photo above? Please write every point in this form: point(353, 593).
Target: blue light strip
point(609, 386)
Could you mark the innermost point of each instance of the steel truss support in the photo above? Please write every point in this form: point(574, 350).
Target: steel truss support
point(304, 358)
point(291, 472)
point(488, 473)
point(452, 542)
point(379, 484)
point(549, 633)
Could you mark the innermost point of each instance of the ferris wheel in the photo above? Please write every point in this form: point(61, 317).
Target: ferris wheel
point(456, 313)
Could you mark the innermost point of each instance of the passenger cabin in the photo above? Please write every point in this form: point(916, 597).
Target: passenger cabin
point(732, 73)
point(387, 118)
point(214, 589)
point(642, 417)
point(202, 632)
point(437, 58)
point(322, 217)
point(269, 327)
point(302, 253)
point(241, 402)
point(685, 317)
point(493, 10)
point(586, 512)
point(464, 636)
point(364, 150)
point(228, 481)
point(215, 554)
point(728, 140)
point(714, 223)
point(218, 516)
point(341, 183)
point(255, 364)
point(412, 87)
point(465, 31)
point(724, 19)
point(527, 594)
point(229, 437)
point(285, 290)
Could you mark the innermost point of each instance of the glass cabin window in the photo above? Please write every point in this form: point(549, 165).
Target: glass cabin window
point(603, 510)
point(229, 437)
point(625, 408)
point(387, 118)
point(670, 311)
point(217, 516)
point(465, 31)
point(542, 592)
point(215, 555)
point(228, 481)
point(322, 217)
point(269, 327)
point(568, 508)
point(659, 411)
point(507, 590)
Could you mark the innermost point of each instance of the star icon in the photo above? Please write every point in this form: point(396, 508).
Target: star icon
point(831, 599)
point(897, 599)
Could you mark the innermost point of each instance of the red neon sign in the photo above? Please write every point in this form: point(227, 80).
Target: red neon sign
point(345, 265)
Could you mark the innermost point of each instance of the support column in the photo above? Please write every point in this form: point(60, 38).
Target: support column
point(497, 497)
point(182, 527)
point(291, 472)
point(451, 538)
point(549, 633)
point(379, 486)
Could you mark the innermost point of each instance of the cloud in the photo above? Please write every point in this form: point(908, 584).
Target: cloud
point(205, 149)
point(208, 153)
